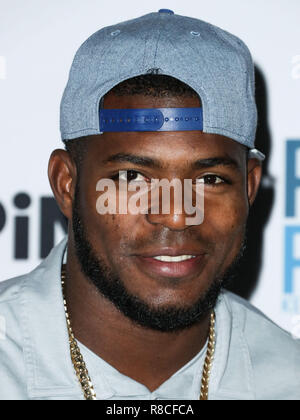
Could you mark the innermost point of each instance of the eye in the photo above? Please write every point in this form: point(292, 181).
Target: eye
point(211, 179)
point(128, 176)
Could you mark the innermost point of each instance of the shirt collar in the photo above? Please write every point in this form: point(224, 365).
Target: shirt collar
point(49, 369)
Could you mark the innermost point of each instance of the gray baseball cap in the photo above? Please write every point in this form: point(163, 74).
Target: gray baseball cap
point(215, 63)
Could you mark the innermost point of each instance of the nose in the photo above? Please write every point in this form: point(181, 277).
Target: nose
point(169, 210)
point(172, 221)
point(175, 204)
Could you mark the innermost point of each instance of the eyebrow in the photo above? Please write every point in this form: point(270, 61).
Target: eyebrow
point(216, 161)
point(136, 160)
point(156, 164)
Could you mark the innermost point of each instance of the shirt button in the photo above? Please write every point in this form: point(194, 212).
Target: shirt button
point(168, 11)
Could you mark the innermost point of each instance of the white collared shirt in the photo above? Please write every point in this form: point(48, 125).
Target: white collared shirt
point(254, 358)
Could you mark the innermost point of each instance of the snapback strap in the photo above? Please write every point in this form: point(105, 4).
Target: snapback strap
point(155, 119)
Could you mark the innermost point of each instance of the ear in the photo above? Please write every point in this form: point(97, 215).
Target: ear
point(254, 168)
point(62, 175)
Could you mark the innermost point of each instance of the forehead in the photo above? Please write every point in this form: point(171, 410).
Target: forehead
point(113, 101)
point(169, 147)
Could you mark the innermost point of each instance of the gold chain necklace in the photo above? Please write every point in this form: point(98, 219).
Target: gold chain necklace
point(82, 372)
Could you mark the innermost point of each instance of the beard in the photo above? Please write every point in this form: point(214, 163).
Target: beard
point(110, 286)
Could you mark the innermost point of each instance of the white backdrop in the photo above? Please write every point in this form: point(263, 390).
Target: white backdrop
point(38, 39)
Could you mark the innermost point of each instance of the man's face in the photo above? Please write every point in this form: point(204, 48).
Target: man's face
point(125, 244)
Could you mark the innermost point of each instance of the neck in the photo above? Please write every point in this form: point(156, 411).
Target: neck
point(151, 356)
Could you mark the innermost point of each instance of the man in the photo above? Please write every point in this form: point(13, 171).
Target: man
point(132, 302)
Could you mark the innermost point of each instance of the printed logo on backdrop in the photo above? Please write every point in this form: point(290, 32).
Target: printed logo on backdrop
point(291, 298)
point(19, 214)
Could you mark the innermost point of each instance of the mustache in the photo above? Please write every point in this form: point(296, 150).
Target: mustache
point(169, 239)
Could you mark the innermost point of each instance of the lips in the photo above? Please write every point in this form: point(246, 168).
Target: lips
point(171, 263)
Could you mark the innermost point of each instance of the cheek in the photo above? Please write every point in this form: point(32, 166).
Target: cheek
point(109, 233)
point(106, 231)
point(225, 219)
point(224, 227)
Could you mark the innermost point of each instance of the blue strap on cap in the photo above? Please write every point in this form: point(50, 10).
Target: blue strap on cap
point(155, 119)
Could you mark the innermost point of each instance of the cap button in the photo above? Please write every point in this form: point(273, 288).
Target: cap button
point(168, 11)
